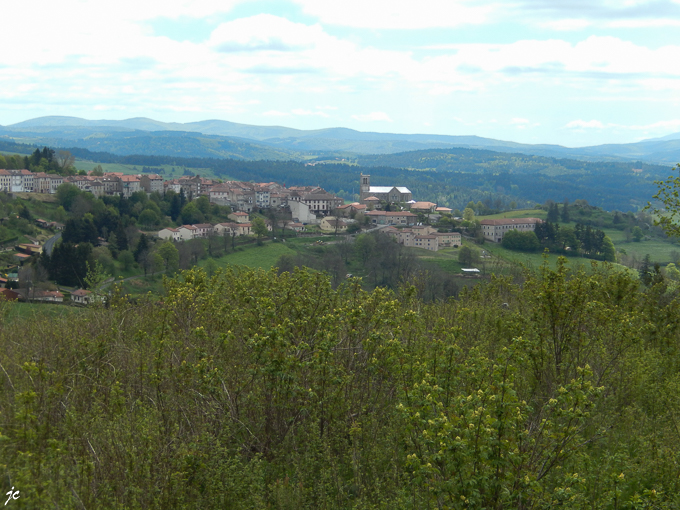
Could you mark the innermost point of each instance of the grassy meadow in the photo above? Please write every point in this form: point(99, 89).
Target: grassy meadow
point(253, 256)
point(171, 172)
point(15, 313)
point(517, 213)
point(660, 249)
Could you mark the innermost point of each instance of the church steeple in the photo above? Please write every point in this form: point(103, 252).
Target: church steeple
point(365, 186)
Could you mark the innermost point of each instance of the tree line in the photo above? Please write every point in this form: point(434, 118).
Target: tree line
point(607, 185)
point(380, 260)
point(580, 240)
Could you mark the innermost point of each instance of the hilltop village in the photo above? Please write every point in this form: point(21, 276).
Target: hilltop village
point(383, 207)
point(130, 223)
point(295, 208)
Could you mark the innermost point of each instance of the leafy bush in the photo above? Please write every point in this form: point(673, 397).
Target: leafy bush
point(521, 241)
point(250, 389)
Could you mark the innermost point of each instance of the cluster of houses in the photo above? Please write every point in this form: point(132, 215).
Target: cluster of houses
point(239, 226)
point(26, 250)
point(375, 196)
point(25, 181)
point(316, 206)
point(117, 183)
point(17, 181)
point(307, 204)
point(49, 224)
point(80, 296)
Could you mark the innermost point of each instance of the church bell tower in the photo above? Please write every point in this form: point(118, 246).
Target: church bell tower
point(365, 187)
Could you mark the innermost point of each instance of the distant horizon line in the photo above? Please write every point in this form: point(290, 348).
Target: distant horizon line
point(288, 127)
point(173, 122)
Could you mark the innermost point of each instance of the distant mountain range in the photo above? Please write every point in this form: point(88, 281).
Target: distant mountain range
point(223, 139)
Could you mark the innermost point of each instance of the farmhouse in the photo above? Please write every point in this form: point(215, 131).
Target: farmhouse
point(331, 223)
point(81, 296)
point(401, 218)
point(170, 233)
point(423, 207)
point(239, 217)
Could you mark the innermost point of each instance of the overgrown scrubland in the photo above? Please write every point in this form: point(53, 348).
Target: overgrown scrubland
point(256, 390)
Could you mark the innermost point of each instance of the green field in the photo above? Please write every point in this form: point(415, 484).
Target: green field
point(658, 251)
point(21, 312)
point(518, 213)
point(446, 258)
point(137, 169)
point(262, 257)
point(251, 255)
point(534, 260)
point(298, 242)
point(143, 285)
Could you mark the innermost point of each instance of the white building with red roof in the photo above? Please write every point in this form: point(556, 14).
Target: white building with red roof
point(494, 230)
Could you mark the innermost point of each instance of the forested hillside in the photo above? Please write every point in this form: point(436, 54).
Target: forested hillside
point(178, 143)
point(258, 390)
point(450, 178)
point(487, 161)
point(119, 136)
point(609, 190)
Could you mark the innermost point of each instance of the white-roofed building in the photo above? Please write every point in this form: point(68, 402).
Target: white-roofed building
point(384, 193)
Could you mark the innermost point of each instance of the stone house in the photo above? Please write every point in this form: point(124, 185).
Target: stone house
point(81, 296)
point(171, 234)
point(398, 218)
point(333, 224)
point(239, 217)
point(151, 183)
point(187, 232)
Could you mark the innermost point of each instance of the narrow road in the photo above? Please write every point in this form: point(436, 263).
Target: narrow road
point(49, 244)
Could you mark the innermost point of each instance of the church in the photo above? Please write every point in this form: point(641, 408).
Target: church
point(390, 194)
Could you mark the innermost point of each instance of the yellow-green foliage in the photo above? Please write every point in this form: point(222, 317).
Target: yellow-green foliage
point(249, 390)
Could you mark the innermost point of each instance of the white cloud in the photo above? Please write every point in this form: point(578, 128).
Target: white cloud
point(604, 59)
point(265, 32)
point(373, 117)
point(583, 124)
point(521, 123)
point(264, 64)
point(398, 14)
point(303, 112)
point(266, 44)
point(564, 15)
point(564, 25)
point(576, 15)
point(644, 23)
point(131, 10)
point(654, 127)
point(662, 125)
point(275, 113)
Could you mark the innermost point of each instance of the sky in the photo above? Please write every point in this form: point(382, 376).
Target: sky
point(568, 72)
